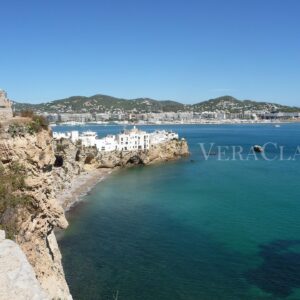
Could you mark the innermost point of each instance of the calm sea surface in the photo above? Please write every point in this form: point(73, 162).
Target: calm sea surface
point(194, 228)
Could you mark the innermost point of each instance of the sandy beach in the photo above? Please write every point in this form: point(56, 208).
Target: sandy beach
point(80, 186)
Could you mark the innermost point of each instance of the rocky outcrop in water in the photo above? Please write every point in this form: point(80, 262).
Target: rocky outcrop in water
point(78, 158)
point(157, 153)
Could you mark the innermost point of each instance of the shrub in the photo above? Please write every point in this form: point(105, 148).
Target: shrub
point(12, 196)
point(36, 124)
point(27, 113)
point(17, 130)
point(61, 147)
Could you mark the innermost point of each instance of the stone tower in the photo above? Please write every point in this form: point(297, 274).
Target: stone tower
point(6, 112)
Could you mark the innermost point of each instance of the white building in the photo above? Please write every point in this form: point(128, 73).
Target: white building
point(128, 140)
point(109, 143)
point(133, 139)
point(72, 135)
point(88, 138)
point(61, 135)
point(161, 136)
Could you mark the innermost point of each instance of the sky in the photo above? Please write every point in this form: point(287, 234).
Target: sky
point(187, 51)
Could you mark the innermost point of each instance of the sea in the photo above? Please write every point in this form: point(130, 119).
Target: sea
point(221, 224)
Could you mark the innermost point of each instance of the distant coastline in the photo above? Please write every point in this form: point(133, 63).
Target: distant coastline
point(228, 122)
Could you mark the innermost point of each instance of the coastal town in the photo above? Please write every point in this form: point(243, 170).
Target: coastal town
point(158, 118)
point(127, 140)
point(101, 109)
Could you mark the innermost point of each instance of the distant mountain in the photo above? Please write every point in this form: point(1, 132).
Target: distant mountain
point(233, 105)
point(102, 103)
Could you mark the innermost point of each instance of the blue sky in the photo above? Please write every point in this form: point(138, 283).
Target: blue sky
point(185, 50)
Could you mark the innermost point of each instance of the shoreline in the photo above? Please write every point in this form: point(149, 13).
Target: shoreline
point(184, 123)
point(80, 186)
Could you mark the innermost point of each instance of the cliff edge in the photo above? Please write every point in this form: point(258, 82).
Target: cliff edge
point(29, 211)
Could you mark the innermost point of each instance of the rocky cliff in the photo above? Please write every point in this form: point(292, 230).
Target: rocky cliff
point(170, 150)
point(76, 157)
point(49, 168)
point(31, 223)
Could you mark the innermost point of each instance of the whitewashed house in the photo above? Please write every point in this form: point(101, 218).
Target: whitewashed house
point(109, 143)
point(73, 135)
point(128, 140)
point(133, 139)
point(161, 136)
point(88, 138)
point(61, 135)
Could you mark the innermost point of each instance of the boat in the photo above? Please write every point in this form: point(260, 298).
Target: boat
point(277, 125)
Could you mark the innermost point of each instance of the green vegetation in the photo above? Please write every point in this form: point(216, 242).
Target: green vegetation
point(60, 147)
point(103, 103)
point(36, 124)
point(12, 187)
point(233, 105)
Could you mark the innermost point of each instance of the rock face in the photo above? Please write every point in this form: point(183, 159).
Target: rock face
point(157, 153)
point(5, 107)
point(89, 157)
point(17, 277)
point(35, 224)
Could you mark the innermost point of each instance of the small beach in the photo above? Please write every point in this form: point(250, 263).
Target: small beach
point(81, 185)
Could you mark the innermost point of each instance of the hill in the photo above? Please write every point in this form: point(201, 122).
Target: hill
point(233, 105)
point(103, 103)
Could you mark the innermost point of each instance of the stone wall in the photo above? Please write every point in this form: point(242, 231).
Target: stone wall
point(5, 107)
point(17, 277)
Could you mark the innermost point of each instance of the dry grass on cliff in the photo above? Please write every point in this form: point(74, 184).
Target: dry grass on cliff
point(37, 122)
point(27, 123)
point(12, 186)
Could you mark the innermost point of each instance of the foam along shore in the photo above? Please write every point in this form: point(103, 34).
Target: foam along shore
point(80, 186)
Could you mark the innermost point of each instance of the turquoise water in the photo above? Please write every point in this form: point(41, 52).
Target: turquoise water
point(194, 228)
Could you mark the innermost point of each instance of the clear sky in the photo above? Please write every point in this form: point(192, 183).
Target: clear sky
point(188, 50)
